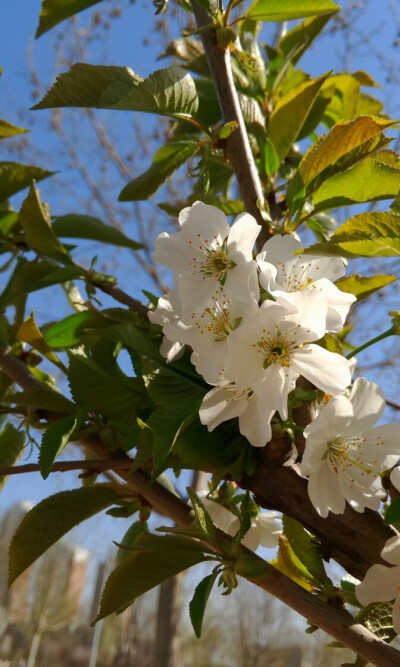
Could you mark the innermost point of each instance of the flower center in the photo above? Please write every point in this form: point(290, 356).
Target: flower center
point(275, 347)
point(342, 455)
point(217, 320)
point(214, 261)
point(296, 280)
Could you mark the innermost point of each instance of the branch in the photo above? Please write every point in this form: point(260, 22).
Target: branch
point(238, 149)
point(65, 466)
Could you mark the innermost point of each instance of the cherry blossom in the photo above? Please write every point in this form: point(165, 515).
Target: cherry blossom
point(264, 530)
point(281, 273)
point(344, 454)
point(382, 583)
point(207, 255)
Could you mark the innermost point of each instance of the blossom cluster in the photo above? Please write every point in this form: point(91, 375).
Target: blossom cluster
point(253, 325)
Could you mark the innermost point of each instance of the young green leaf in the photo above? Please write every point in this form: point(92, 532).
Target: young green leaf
point(166, 91)
point(300, 38)
point(154, 560)
point(72, 329)
point(131, 536)
point(15, 177)
point(43, 398)
point(375, 234)
point(52, 518)
point(291, 113)
point(167, 160)
point(368, 180)
point(11, 445)
point(54, 439)
point(201, 513)
point(30, 333)
point(343, 138)
point(10, 130)
point(392, 514)
point(35, 220)
point(364, 286)
point(75, 226)
point(197, 605)
point(55, 11)
point(286, 10)
point(305, 547)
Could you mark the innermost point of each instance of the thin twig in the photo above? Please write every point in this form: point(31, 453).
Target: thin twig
point(66, 466)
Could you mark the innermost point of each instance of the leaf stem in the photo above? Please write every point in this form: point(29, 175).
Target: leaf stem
point(382, 336)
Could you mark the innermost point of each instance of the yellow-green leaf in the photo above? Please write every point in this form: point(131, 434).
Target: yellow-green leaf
point(291, 113)
point(55, 11)
point(375, 234)
point(368, 180)
point(9, 130)
point(363, 286)
point(344, 137)
point(11, 445)
point(285, 10)
point(30, 333)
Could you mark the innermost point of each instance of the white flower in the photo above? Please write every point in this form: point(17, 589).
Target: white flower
point(382, 583)
point(344, 454)
point(264, 530)
point(210, 255)
point(228, 401)
point(283, 273)
point(167, 315)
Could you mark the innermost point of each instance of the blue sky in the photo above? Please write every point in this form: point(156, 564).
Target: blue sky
point(125, 47)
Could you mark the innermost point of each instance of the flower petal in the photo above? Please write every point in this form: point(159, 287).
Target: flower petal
point(391, 550)
point(324, 491)
point(242, 237)
point(379, 584)
point(327, 370)
point(203, 219)
point(368, 403)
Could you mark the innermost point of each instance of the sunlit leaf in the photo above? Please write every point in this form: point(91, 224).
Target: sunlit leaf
point(285, 10)
point(11, 446)
point(15, 177)
point(364, 286)
point(9, 130)
point(76, 226)
point(55, 11)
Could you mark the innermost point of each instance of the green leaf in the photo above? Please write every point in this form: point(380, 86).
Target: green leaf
point(363, 286)
point(168, 91)
point(177, 398)
point(15, 177)
point(375, 234)
point(43, 398)
point(167, 160)
point(288, 563)
point(307, 549)
point(103, 389)
point(197, 605)
point(35, 220)
point(75, 226)
point(392, 514)
point(131, 536)
point(379, 620)
point(154, 560)
point(73, 328)
point(368, 180)
point(10, 130)
point(285, 10)
point(271, 158)
point(50, 520)
point(11, 445)
point(202, 515)
point(290, 114)
point(343, 138)
point(54, 439)
point(55, 11)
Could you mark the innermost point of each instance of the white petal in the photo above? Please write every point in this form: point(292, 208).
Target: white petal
point(242, 237)
point(324, 491)
point(368, 402)
point(311, 313)
point(217, 408)
point(383, 444)
point(379, 584)
point(254, 423)
point(270, 529)
point(338, 303)
point(203, 219)
point(280, 248)
point(240, 281)
point(391, 550)
point(170, 350)
point(327, 370)
point(172, 251)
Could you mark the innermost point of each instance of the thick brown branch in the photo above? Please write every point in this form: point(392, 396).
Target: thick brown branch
point(238, 149)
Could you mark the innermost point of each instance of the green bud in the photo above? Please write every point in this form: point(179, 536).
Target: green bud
point(249, 567)
point(225, 37)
